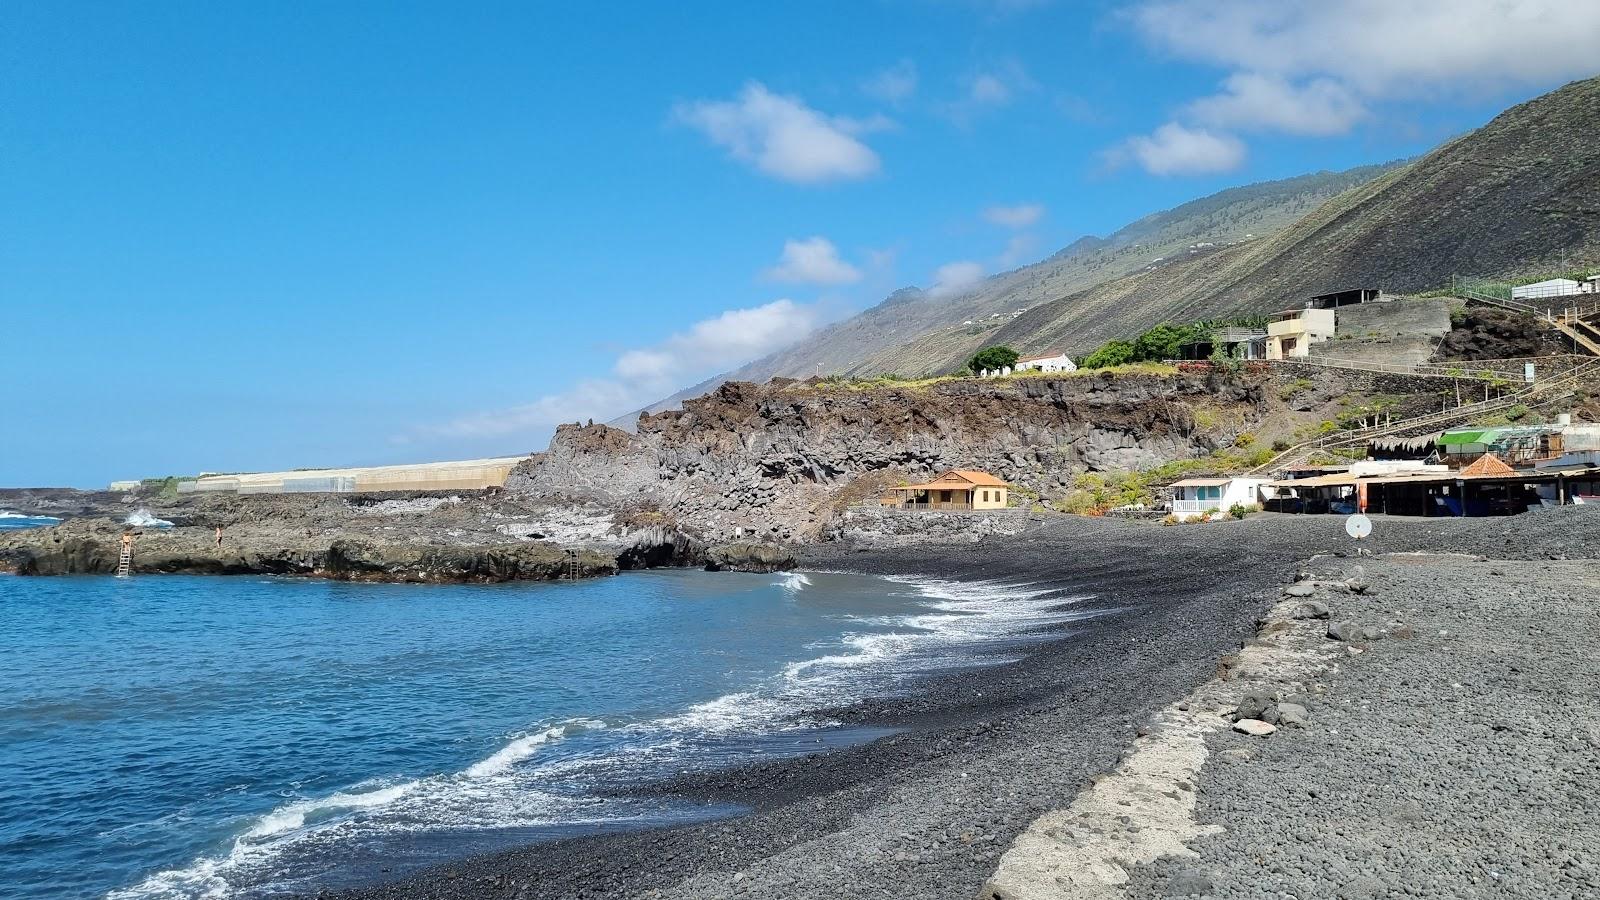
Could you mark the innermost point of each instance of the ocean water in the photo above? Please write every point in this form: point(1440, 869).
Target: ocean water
point(185, 737)
point(11, 521)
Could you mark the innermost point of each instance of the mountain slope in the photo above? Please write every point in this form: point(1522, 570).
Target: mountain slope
point(1237, 214)
point(1517, 195)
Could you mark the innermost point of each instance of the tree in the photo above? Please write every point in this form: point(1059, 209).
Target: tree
point(1162, 342)
point(1111, 353)
point(992, 358)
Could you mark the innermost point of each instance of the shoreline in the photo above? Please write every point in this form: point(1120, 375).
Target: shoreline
point(1161, 631)
point(979, 754)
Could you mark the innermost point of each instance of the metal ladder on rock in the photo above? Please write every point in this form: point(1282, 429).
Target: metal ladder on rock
point(572, 565)
point(125, 561)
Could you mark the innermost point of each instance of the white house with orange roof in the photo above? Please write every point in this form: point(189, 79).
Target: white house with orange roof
point(954, 489)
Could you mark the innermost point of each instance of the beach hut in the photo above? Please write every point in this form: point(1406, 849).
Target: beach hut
point(955, 489)
point(1193, 497)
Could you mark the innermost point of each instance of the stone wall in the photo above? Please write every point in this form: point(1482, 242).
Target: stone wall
point(1429, 317)
point(1403, 332)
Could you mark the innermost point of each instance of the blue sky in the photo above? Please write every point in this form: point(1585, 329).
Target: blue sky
point(247, 235)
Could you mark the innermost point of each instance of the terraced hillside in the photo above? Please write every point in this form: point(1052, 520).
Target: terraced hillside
point(1517, 195)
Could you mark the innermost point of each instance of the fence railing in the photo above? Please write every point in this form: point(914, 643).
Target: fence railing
point(1512, 368)
point(1590, 369)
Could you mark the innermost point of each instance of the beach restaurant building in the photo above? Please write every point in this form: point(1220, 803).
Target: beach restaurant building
point(1488, 486)
point(956, 489)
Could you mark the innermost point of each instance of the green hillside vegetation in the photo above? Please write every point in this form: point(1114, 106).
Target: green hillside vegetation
point(1162, 342)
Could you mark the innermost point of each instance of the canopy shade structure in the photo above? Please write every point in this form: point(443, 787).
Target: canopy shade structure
point(1319, 481)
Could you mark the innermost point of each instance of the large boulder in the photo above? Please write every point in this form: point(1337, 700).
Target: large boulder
point(749, 557)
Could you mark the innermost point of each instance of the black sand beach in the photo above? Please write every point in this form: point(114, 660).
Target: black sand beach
point(928, 811)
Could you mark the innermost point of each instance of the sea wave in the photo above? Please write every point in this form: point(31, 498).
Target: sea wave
point(512, 787)
point(524, 747)
point(143, 518)
point(490, 793)
point(15, 520)
point(793, 582)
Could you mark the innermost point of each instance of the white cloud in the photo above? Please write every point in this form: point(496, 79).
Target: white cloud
point(1382, 47)
point(740, 335)
point(784, 138)
point(642, 375)
point(1321, 106)
point(954, 278)
point(895, 84)
point(1020, 216)
point(813, 261)
point(1317, 67)
point(1018, 250)
point(591, 398)
point(1174, 149)
point(987, 89)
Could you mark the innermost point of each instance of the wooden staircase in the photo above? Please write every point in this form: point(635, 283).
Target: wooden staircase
point(1581, 323)
point(1576, 322)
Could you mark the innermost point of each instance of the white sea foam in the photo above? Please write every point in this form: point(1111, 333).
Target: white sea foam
point(293, 815)
point(503, 791)
point(6, 514)
point(487, 794)
point(143, 518)
point(524, 747)
point(794, 581)
point(741, 711)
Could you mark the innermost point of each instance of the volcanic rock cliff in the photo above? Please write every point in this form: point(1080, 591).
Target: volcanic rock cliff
point(779, 461)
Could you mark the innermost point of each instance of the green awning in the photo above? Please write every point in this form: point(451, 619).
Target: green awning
point(1474, 436)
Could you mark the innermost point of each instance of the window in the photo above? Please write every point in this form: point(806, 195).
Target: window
point(986, 496)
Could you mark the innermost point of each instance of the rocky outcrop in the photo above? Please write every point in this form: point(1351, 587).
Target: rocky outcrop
point(349, 560)
point(877, 527)
point(92, 546)
point(746, 557)
point(778, 462)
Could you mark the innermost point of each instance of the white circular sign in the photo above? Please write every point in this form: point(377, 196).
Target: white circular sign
point(1358, 526)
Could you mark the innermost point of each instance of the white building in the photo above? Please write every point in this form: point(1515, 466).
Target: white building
point(1554, 287)
point(1049, 362)
point(1196, 497)
point(467, 474)
point(1291, 333)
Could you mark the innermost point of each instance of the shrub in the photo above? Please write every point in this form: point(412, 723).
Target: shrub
point(1240, 510)
point(1170, 520)
point(1111, 353)
point(1162, 342)
point(1244, 439)
point(1290, 388)
point(1280, 445)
